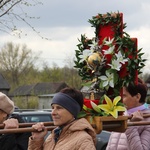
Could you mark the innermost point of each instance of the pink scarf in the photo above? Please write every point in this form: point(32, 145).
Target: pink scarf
point(132, 110)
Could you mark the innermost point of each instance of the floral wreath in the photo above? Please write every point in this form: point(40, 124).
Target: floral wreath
point(106, 65)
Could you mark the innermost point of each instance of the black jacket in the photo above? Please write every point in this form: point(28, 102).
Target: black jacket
point(18, 141)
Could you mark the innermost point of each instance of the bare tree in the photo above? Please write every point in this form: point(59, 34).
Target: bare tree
point(13, 10)
point(16, 61)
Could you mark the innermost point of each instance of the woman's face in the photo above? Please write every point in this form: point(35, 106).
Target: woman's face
point(3, 116)
point(130, 101)
point(61, 115)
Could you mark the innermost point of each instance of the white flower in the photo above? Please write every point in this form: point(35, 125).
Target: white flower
point(120, 58)
point(115, 64)
point(85, 55)
point(94, 46)
point(108, 80)
point(109, 42)
point(110, 50)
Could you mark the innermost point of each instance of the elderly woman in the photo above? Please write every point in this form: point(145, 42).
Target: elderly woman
point(10, 141)
point(135, 137)
point(71, 133)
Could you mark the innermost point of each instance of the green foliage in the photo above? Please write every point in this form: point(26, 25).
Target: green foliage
point(20, 103)
point(33, 104)
point(104, 19)
point(26, 103)
point(122, 42)
point(16, 61)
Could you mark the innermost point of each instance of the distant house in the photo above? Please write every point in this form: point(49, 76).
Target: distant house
point(45, 101)
point(39, 92)
point(4, 85)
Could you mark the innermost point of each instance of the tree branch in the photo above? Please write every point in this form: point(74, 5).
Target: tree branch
point(10, 8)
point(3, 4)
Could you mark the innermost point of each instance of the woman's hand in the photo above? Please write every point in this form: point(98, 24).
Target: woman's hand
point(11, 123)
point(41, 131)
point(137, 116)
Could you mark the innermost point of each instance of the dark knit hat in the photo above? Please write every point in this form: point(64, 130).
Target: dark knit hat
point(67, 102)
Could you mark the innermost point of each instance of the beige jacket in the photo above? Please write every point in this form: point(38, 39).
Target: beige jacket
point(78, 135)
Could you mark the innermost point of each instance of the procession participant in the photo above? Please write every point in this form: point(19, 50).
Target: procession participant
point(71, 133)
point(135, 137)
point(18, 141)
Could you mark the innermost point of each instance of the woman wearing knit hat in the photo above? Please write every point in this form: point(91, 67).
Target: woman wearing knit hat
point(71, 133)
point(10, 141)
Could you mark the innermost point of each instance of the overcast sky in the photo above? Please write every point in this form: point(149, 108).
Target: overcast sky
point(63, 22)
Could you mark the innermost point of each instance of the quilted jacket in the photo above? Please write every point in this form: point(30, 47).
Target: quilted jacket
point(78, 135)
point(134, 138)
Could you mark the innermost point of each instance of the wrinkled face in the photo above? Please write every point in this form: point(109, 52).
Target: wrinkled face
point(130, 101)
point(61, 115)
point(3, 116)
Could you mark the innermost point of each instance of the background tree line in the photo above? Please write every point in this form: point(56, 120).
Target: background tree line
point(20, 66)
point(18, 63)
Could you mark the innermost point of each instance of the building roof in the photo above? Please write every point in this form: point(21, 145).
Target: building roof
point(3, 83)
point(38, 89)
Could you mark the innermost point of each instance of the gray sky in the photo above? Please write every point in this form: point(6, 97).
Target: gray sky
point(64, 21)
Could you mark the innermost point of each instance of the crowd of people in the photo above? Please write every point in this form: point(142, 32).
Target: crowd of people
point(77, 134)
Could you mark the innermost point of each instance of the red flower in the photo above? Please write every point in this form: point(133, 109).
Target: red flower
point(88, 104)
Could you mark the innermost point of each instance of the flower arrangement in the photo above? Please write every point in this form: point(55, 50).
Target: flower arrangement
point(106, 63)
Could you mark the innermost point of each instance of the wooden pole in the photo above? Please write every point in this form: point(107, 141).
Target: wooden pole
point(22, 130)
point(29, 124)
point(141, 123)
point(51, 127)
point(27, 127)
point(144, 116)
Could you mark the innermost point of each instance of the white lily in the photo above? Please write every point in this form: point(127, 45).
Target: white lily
point(116, 65)
point(110, 50)
point(120, 58)
point(109, 42)
point(85, 55)
point(94, 44)
point(108, 80)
